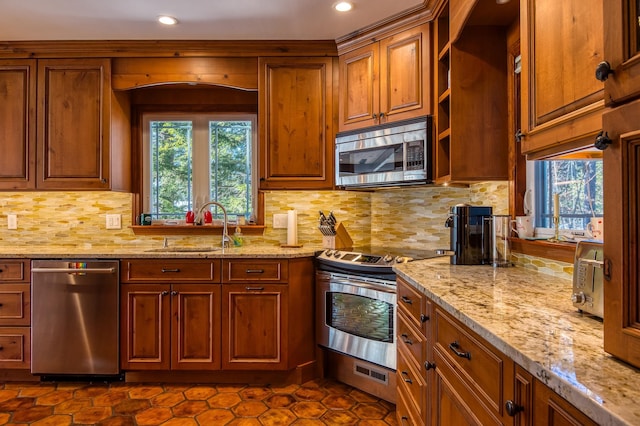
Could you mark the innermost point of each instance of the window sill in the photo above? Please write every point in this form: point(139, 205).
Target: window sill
point(194, 230)
point(560, 251)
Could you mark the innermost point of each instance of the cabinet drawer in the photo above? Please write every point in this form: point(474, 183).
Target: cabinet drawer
point(485, 369)
point(14, 270)
point(255, 270)
point(406, 410)
point(15, 304)
point(15, 347)
point(410, 380)
point(413, 303)
point(410, 338)
point(182, 270)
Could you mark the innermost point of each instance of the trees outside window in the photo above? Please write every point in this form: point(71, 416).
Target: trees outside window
point(192, 159)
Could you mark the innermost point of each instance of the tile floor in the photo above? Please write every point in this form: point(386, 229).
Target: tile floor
point(319, 402)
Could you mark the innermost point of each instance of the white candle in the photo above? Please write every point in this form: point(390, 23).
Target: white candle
point(292, 228)
point(556, 205)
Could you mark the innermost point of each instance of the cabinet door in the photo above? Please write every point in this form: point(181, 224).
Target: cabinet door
point(254, 324)
point(550, 409)
point(622, 50)
point(17, 124)
point(405, 61)
point(196, 326)
point(16, 347)
point(15, 304)
point(621, 252)
point(145, 319)
point(74, 99)
point(562, 100)
point(359, 88)
point(296, 123)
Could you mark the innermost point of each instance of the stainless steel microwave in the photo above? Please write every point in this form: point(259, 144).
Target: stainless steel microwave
point(386, 155)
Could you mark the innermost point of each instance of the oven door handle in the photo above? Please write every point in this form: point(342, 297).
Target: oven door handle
point(365, 284)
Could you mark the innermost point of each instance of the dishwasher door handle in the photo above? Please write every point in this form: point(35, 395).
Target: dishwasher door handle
point(76, 270)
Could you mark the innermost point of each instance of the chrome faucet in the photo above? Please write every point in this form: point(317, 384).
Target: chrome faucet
point(200, 220)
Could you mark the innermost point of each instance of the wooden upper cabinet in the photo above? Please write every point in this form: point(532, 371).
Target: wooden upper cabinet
point(622, 51)
point(562, 101)
point(387, 80)
point(74, 100)
point(17, 124)
point(296, 123)
point(472, 140)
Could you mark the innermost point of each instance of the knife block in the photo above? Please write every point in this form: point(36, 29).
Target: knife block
point(341, 240)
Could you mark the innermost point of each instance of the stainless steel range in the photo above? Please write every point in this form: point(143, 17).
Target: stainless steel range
point(356, 300)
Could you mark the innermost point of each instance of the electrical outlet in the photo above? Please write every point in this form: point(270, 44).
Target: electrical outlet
point(12, 221)
point(114, 221)
point(279, 220)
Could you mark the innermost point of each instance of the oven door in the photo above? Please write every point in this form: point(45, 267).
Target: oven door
point(356, 317)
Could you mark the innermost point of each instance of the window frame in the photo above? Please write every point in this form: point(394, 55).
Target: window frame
point(201, 187)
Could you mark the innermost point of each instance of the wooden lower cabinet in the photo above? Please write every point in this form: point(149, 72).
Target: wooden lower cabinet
point(254, 326)
point(467, 381)
point(15, 314)
point(170, 327)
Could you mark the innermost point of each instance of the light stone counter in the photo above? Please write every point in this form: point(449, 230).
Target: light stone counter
point(146, 251)
point(529, 316)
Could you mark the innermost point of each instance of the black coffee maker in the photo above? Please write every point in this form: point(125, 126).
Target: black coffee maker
point(470, 234)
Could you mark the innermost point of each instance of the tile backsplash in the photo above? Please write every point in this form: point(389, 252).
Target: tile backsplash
point(399, 217)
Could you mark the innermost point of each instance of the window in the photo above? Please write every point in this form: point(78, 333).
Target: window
point(579, 186)
point(191, 159)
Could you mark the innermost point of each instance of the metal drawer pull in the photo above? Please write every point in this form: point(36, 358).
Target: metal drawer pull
point(454, 347)
point(407, 379)
point(254, 288)
point(406, 340)
point(429, 365)
point(164, 293)
point(424, 318)
point(174, 293)
point(255, 271)
point(512, 408)
point(170, 270)
point(406, 300)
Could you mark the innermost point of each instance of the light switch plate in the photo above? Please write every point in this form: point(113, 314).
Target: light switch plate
point(114, 221)
point(279, 220)
point(12, 221)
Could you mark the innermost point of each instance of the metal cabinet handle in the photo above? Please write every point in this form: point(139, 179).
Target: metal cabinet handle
point(512, 408)
point(1, 348)
point(255, 271)
point(406, 340)
point(173, 293)
point(375, 115)
point(424, 318)
point(1, 305)
point(406, 377)
point(164, 293)
point(254, 288)
point(429, 365)
point(454, 348)
point(406, 300)
point(602, 140)
point(164, 270)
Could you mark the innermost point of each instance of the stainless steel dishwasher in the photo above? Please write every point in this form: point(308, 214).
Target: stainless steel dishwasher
point(74, 317)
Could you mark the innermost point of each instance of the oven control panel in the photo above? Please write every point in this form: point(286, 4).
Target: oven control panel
point(339, 256)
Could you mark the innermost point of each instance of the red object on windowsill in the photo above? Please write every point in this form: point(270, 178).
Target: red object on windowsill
point(190, 217)
point(208, 218)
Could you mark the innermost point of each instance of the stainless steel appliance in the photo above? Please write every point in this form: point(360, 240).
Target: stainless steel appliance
point(74, 317)
point(587, 278)
point(470, 234)
point(385, 155)
point(356, 302)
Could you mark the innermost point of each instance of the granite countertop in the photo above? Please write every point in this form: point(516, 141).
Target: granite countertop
point(151, 252)
point(529, 316)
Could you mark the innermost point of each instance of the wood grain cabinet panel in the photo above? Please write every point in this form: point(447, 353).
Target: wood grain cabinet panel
point(296, 123)
point(18, 124)
point(386, 81)
point(15, 314)
point(254, 326)
point(16, 347)
point(15, 304)
point(562, 101)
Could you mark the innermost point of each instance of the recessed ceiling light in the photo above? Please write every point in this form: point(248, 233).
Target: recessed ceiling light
point(343, 6)
point(167, 20)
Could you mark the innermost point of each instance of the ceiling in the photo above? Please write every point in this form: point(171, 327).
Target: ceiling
point(28, 20)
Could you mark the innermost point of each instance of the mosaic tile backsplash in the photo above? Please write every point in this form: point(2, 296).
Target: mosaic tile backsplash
point(396, 217)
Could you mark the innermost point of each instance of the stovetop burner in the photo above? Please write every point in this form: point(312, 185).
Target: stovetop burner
point(376, 262)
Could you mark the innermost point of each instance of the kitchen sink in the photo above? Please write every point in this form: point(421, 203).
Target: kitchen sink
point(183, 250)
